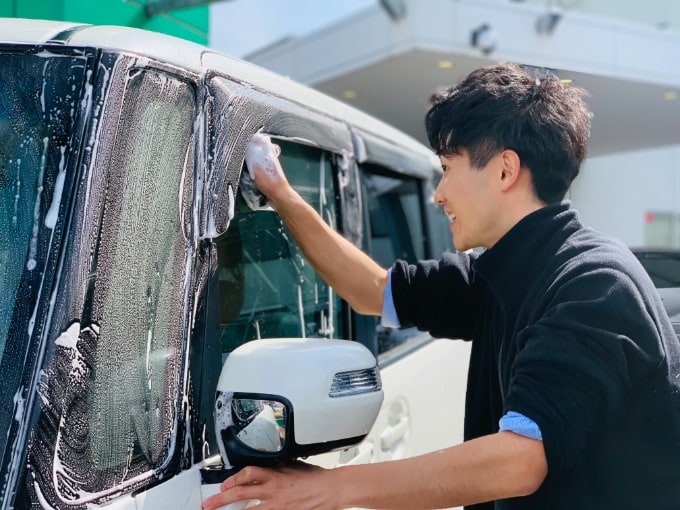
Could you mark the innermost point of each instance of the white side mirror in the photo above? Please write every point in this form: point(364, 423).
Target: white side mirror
point(287, 398)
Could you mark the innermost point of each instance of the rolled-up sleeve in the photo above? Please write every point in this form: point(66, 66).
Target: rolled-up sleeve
point(389, 317)
point(519, 424)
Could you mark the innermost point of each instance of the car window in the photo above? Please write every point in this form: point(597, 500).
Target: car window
point(267, 288)
point(395, 218)
point(110, 396)
point(37, 118)
point(394, 230)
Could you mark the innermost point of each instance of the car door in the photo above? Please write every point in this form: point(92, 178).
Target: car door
point(374, 193)
point(424, 379)
point(266, 288)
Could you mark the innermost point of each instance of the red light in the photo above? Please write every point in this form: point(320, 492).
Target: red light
point(649, 217)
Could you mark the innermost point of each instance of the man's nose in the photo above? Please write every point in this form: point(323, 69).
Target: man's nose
point(437, 197)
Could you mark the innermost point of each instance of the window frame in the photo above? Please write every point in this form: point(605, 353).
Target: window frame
point(287, 252)
point(226, 141)
point(406, 339)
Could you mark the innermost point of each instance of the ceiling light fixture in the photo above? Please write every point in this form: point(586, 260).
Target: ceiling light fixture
point(670, 95)
point(349, 94)
point(484, 38)
point(445, 64)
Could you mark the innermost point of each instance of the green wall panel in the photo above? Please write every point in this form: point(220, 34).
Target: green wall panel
point(47, 9)
point(191, 23)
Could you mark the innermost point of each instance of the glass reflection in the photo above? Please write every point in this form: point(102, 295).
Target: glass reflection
point(260, 424)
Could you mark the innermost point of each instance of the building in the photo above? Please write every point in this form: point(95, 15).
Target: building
point(189, 23)
point(388, 58)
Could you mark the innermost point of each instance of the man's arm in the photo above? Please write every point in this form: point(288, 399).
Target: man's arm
point(349, 271)
point(493, 467)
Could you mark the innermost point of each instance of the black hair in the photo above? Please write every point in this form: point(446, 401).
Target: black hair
point(507, 106)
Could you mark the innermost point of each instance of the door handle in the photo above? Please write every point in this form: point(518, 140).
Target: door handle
point(362, 454)
point(393, 434)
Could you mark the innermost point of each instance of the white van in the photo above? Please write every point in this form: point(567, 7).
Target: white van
point(150, 320)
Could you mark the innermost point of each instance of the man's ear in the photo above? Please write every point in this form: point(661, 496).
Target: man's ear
point(510, 169)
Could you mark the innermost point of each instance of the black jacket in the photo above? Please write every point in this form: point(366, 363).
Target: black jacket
point(567, 329)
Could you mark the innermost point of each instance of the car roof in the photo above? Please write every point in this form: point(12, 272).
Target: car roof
point(200, 60)
point(651, 250)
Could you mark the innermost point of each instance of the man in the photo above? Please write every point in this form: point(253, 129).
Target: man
point(573, 394)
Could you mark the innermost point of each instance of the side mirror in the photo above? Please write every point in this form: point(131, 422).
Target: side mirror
point(287, 398)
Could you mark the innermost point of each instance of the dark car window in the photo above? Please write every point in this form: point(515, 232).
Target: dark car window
point(662, 267)
point(395, 218)
point(394, 222)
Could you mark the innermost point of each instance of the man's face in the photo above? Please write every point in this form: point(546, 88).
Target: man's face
point(468, 197)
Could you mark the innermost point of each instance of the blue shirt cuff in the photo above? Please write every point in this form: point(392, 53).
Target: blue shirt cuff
point(520, 424)
point(389, 318)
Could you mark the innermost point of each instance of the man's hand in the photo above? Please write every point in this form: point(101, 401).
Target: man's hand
point(497, 466)
point(296, 485)
point(262, 160)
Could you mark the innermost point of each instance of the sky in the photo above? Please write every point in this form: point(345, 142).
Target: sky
point(238, 27)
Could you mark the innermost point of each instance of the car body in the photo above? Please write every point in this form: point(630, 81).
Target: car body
point(131, 267)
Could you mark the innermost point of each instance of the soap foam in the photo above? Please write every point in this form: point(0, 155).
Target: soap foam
point(263, 153)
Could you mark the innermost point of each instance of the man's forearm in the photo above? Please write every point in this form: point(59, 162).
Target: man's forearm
point(489, 468)
point(351, 272)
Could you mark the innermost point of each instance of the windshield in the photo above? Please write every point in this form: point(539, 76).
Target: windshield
point(39, 95)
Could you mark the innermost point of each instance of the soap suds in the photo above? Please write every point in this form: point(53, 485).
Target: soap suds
point(263, 153)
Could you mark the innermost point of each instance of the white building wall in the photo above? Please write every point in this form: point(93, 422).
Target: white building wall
point(656, 13)
point(584, 43)
point(614, 193)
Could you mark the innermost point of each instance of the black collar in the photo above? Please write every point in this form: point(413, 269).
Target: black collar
point(513, 263)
